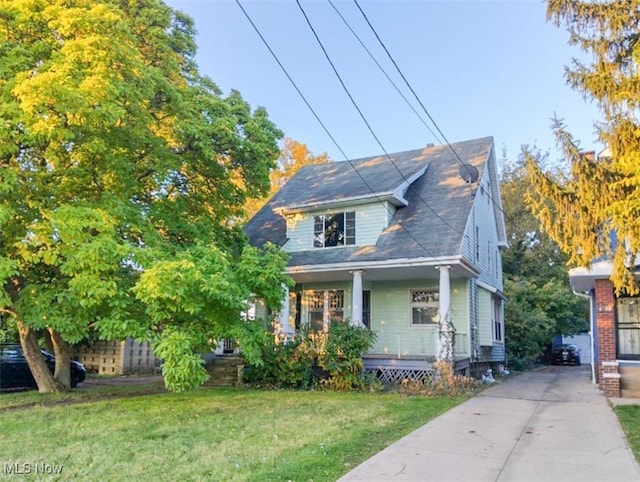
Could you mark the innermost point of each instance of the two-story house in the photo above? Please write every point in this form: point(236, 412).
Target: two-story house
point(397, 244)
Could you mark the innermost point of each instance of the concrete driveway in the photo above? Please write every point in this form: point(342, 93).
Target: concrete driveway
point(545, 425)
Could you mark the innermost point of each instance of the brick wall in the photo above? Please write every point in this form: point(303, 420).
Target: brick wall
point(610, 379)
point(606, 328)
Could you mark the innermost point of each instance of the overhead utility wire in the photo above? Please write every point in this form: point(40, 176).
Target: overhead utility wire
point(393, 214)
point(384, 72)
point(406, 81)
point(418, 99)
point(290, 79)
point(364, 119)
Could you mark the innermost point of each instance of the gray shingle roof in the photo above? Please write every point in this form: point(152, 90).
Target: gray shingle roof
point(432, 225)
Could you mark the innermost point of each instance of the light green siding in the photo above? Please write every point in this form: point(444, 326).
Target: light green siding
point(371, 219)
point(485, 334)
point(390, 319)
point(481, 241)
point(260, 310)
point(299, 233)
point(391, 315)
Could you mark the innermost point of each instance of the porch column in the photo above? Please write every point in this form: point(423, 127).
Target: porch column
point(283, 316)
point(356, 299)
point(446, 331)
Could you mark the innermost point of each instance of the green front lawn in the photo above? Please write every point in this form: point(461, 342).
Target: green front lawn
point(208, 434)
point(629, 417)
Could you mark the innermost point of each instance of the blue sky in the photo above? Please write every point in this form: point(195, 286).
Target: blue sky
point(479, 67)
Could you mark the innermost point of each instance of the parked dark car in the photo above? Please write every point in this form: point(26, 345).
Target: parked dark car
point(15, 372)
point(565, 354)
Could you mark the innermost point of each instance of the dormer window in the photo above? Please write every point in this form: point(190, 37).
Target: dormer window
point(338, 229)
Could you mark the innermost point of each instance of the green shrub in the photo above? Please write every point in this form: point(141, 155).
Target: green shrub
point(342, 355)
point(282, 365)
point(314, 359)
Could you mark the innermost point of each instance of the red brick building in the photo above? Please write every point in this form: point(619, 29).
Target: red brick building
point(615, 330)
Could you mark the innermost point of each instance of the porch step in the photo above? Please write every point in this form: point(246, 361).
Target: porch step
point(224, 371)
point(629, 381)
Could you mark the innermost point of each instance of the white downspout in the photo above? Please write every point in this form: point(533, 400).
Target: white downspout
point(591, 328)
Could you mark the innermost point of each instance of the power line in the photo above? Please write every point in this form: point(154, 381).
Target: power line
point(406, 81)
point(364, 15)
point(384, 72)
point(264, 41)
point(364, 119)
point(393, 214)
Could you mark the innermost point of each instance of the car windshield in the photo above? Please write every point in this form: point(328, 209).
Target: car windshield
point(566, 347)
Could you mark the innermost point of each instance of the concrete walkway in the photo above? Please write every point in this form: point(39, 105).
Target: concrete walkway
point(546, 425)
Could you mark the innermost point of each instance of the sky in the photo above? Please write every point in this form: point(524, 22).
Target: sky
point(479, 68)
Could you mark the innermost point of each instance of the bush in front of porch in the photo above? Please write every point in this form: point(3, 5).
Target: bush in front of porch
point(331, 359)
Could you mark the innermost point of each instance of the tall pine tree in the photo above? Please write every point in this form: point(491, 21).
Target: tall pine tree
point(599, 197)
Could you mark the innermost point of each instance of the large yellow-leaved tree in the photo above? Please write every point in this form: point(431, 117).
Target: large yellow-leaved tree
point(119, 165)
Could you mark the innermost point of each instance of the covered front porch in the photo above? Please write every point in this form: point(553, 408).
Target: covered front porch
point(420, 312)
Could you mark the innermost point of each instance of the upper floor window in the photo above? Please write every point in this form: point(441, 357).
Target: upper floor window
point(337, 229)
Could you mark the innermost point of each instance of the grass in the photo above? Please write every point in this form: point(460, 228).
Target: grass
point(109, 433)
point(629, 416)
point(30, 399)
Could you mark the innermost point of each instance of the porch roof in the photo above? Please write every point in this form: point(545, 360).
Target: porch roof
point(582, 280)
point(387, 270)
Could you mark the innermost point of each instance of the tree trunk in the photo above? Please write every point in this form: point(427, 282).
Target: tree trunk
point(47, 343)
point(37, 365)
point(62, 373)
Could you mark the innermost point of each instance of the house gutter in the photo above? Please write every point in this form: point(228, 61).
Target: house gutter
point(393, 263)
point(492, 289)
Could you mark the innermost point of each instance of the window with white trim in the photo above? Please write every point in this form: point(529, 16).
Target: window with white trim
point(315, 310)
point(425, 304)
point(338, 229)
point(323, 307)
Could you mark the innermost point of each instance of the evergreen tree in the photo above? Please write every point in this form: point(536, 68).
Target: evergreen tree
point(536, 282)
point(600, 198)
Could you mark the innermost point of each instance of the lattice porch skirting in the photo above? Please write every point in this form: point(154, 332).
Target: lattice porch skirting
point(395, 376)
